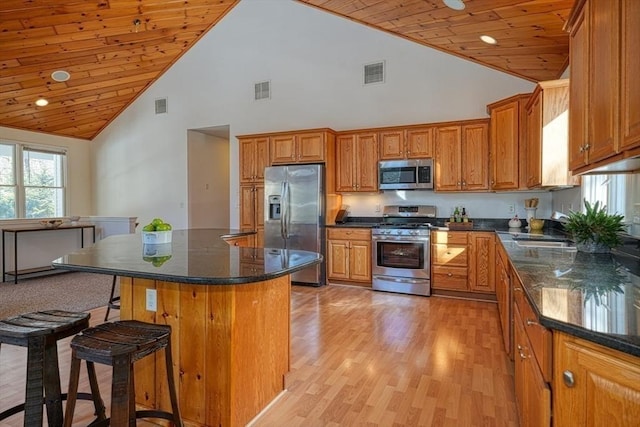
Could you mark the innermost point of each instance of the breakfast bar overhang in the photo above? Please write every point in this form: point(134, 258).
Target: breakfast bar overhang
point(229, 310)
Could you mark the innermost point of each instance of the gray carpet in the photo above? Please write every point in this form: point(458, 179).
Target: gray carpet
point(65, 291)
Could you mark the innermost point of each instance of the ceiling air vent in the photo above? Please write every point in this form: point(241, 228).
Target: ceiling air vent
point(263, 90)
point(374, 73)
point(162, 106)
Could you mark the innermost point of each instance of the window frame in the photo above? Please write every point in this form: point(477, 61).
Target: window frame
point(19, 185)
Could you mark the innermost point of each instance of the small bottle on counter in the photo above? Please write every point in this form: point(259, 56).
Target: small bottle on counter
point(456, 215)
point(465, 218)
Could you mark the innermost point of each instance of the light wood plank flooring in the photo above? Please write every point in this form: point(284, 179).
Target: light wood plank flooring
point(362, 358)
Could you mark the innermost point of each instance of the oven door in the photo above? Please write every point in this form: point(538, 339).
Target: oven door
point(401, 256)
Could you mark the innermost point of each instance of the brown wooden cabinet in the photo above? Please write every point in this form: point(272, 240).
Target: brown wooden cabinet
point(449, 260)
point(252, 212)
point(482, 261)
point(357, 162)
point(300, 147)
point(412, 143)
point(507, 142)
point(629, 81)
point(461, 157)
point(533, 395)
point(532, 356)
point(594, 385)
point(547, 142)
point(254, 157)
point(503, 296)
point(349, 255)
point(605, 111)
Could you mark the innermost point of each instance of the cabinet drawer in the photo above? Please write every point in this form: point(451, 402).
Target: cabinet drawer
point(449, 237)
point(449, 255)
point(349, 233)
point(449, 277)
point(539, 336)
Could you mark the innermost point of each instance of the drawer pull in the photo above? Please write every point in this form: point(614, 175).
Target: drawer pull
point(531, 322)
point(517, 289)
point(449, 275)
point(567, 377)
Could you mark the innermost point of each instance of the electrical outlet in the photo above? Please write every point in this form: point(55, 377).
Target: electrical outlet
point(152, 300)
point(378, 208)
point(512, 208)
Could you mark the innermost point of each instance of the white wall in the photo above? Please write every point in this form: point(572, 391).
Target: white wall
point(478, 205)
point(208, 181)
point(314, 61)
point(79, 176)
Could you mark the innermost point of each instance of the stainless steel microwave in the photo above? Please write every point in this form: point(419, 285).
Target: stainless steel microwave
point(405, 174)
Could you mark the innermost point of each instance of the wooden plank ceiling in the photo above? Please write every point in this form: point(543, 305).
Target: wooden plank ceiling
point(531, 42)
point(112, 60)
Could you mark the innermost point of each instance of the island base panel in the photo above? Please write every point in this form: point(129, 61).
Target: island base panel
point(230, 346)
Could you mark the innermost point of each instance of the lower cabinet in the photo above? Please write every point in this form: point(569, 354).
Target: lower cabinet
point(349, 255)
point(533, 395)
point(463, 261)
point(503, 296)
point(594, 385)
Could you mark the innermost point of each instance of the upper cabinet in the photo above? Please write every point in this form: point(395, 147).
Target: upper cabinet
point(412, 143)
point(304, 147)
point(461, 157)
point(630, 67)
point(357, 162)
point(507, 142)
point(605, 109)
point(547, 159)
point(254, 157)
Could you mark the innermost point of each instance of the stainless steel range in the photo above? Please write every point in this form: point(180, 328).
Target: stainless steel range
point(401, 251)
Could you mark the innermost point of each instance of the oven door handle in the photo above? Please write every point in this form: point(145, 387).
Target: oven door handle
point(402, 239)
point(401, 279)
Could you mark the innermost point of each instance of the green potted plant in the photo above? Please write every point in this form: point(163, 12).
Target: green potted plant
point(595, 230)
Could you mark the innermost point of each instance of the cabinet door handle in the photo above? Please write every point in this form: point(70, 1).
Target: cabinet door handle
point(582, 148)
point(449, 275)
point(531, 322)
point(517, 289)
point(567, 377)
point(586, 147)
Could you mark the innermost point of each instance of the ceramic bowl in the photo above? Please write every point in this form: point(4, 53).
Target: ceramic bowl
point(536, 224)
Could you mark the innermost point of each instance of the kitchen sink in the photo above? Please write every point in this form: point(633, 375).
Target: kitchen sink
point(543, 244)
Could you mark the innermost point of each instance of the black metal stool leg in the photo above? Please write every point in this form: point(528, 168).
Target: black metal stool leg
point(175, 409)
point(111, 304)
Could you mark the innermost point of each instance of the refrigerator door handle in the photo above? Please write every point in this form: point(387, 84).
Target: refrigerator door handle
point(283, 209)
point(286, 202)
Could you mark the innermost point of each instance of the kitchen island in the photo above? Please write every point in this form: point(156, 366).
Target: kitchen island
point(229, 309)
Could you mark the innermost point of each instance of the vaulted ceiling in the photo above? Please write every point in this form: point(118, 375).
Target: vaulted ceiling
point(115, 49)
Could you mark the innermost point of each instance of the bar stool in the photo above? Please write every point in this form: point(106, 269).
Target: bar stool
point(120, 344)
point(39, 333)
point(113, 301)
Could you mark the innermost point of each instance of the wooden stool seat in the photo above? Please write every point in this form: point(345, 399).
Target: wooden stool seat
point(120, 344)
point(39, 333)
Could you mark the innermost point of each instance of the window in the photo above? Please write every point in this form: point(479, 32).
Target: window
point(620, 193)
point(32, 181)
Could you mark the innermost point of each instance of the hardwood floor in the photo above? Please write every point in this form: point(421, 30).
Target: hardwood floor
point(362, 358)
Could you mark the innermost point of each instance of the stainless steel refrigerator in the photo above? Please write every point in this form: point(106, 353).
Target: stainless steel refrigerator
point(294, 214)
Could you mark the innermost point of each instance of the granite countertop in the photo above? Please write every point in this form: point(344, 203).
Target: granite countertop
point(196, 256)
point(592, 296)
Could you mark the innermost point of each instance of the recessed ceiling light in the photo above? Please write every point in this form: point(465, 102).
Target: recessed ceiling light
point(488, 39)
point(60, 76)
point(42, 102)
point(454, 4)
